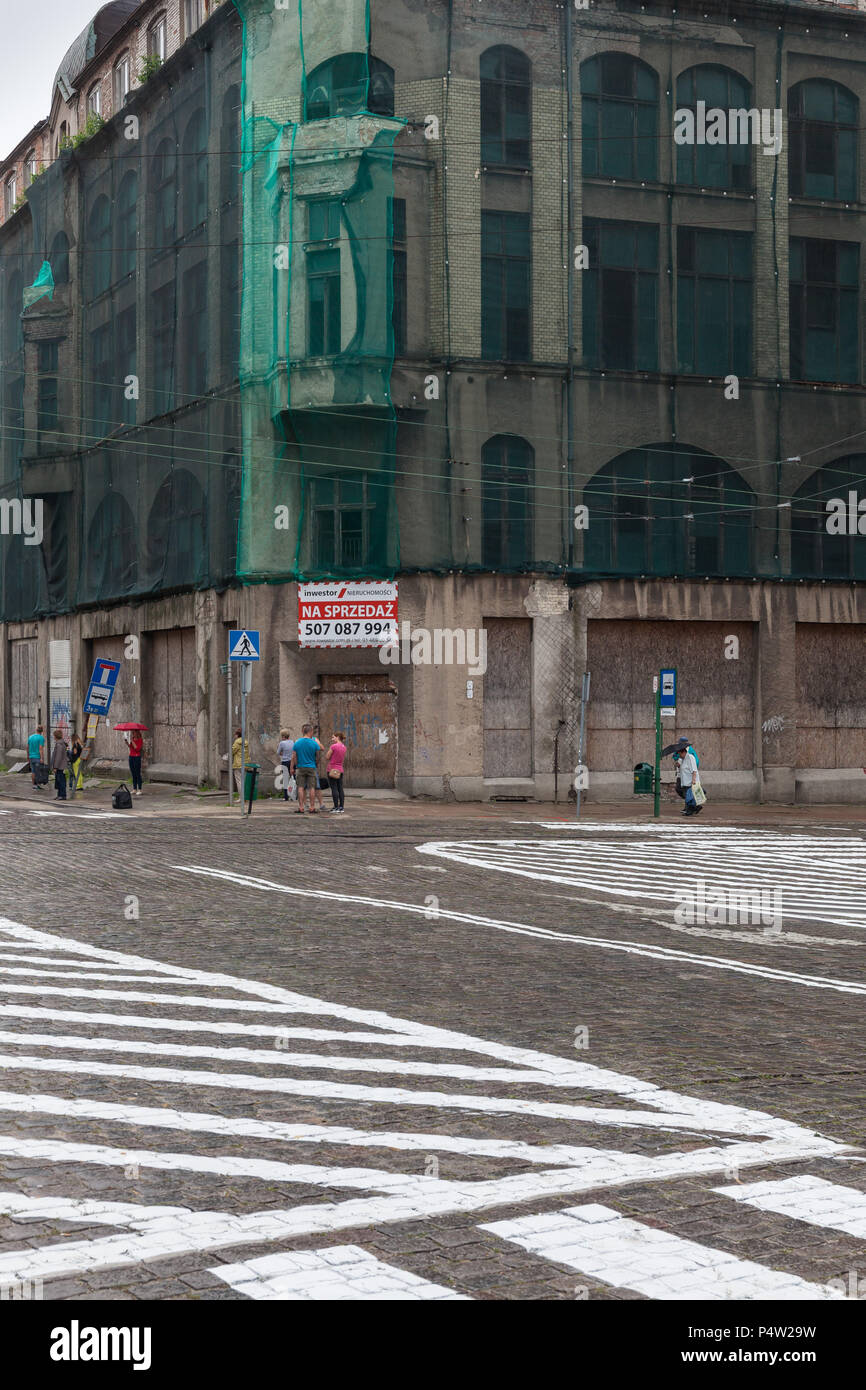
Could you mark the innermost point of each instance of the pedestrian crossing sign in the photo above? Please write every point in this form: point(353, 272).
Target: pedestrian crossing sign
point(244, 645)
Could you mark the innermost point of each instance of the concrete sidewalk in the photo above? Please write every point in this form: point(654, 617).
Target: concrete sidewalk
point(383, 806)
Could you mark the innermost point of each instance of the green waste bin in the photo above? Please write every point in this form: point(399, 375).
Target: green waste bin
point(643, 779)
point(250, 789)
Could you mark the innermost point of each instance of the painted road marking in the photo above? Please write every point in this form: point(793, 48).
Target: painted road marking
point(600, 943)
point(596, 1241)
point(719, 1137)
point(340, 1272)
point(608, 1165)
point(806, 1198)
point(822, 879)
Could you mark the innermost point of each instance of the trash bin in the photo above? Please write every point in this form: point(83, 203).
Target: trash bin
point(250, 792)
point(643, 779)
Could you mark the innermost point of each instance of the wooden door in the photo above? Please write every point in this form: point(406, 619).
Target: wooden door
point(364, 708)
point(508, 698)
point(25, 689)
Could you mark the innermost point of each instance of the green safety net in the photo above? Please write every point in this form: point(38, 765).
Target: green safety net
point(119, 344)
point(317, 345)
point(42, 287)
point(310, 336)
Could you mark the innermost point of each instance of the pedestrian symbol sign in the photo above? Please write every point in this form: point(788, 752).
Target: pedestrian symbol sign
point(244, 645)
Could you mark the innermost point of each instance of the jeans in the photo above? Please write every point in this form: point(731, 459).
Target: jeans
point(691, 804)
point(135, 769)
point(336, 785)
point(286, 775)
point(60, 783)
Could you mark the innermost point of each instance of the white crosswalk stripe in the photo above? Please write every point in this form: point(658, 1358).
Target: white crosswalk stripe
point(273, 1043)
point(338, 1273)
point(822, 878)
point(598, 1242)
point(806, 1198)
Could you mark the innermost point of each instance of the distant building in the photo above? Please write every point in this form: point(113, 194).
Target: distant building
point(553, 315)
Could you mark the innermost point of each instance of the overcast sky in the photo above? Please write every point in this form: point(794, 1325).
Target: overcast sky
point(36, 34)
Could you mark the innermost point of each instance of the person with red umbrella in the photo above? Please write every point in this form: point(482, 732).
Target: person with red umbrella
point(135, 741)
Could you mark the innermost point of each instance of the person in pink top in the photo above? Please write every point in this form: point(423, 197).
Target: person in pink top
point(336, 759)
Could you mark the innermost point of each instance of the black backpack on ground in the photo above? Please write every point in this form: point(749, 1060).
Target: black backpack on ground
point(120, 798)
point(43, 772)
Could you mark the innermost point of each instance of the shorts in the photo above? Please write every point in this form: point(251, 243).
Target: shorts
point(34, 764)
point(306, 777)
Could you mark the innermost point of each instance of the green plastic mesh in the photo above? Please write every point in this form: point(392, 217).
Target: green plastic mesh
point(239, 262)
point(317, 342)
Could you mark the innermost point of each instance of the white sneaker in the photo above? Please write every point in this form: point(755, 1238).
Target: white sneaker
point(136, 793)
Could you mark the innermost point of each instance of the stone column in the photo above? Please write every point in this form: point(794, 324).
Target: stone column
point(776, 705)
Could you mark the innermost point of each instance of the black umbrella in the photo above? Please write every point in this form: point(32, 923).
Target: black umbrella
point(674, 747)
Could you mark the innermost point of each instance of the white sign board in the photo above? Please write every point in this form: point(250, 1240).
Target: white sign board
point(347, 613)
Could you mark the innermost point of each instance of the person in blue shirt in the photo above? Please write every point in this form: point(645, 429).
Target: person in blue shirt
point(35, 746)
point(304, 755)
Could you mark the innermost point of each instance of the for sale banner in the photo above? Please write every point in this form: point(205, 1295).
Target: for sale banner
point(347, 613)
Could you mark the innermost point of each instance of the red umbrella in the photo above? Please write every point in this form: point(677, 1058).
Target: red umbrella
point(127, 728)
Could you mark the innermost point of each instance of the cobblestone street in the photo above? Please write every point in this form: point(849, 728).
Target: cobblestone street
point(427, 1052)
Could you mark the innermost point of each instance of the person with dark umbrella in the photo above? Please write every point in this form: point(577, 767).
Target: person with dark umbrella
point(686, 763)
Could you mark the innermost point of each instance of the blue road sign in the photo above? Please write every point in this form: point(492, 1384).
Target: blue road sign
point(100, 692)
point(244, 644)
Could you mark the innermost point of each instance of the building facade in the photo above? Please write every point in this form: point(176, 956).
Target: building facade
point(553, 314)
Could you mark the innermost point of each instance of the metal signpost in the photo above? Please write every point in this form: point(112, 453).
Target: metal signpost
point(245, 647)
point(665, 687)
point(584, 701)
point(226, 670)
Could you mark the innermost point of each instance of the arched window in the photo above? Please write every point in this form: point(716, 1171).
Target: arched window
point(127, 223)
point(122, 81)
point(348, 84)
point(112, 548)
point(669, 510)
point(381, 97)
point(838, 552)
point(620, 97)
point(506, 99)
point(98, 248)
point(164, 192)
point(62, 139)
point(156, 39)
point(822, 141)
point(31, 167)
point(725, 162)
point(59, 258)
point(194, 168)
point(13, 331)
point(177, 532)
point(10, 195)
point(507, 468)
